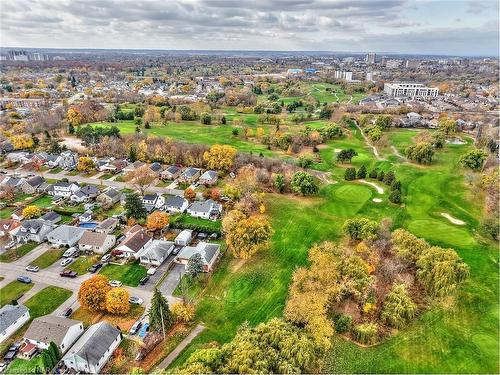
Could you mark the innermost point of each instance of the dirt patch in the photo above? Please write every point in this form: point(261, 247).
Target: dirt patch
point(452, 219)
point(237, 265)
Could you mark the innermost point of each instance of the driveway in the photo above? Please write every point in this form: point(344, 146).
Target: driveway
point(173, 278)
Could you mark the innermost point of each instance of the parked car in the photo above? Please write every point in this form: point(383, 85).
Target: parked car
point(144, 280)
point(135, 300)
point(144, 330)
point(66, 261)
point(32, 268)
point(3, 367)
point(105, 258)
point(135, 328)
point(24, 279)
point(94, 268)
point(70, 252)
point(176, 250)
point(10, 245)
point(115, 283)
point(151, 271)
point(68, 312)
point(69, 273)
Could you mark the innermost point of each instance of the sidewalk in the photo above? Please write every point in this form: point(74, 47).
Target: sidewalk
point(173, 355)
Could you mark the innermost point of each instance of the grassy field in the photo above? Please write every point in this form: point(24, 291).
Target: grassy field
point(82, 263)
point(25, 366)
point(189, 220)
point(128, 274)
point(16, 253)
point(48, 258)
point(47, 301)
point(458, 334)
point(44, 201)
point(12, 291)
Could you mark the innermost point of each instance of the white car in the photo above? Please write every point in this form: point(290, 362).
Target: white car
point(105, 258)
point(70, 252)
point(135, 300)
point(10, 244)
point(115, 283)
point(66, 261)
point(151, 271)
point(3, 367)
point(32, 268)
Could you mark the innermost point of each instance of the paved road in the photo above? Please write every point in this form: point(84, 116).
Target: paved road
point(182, 345)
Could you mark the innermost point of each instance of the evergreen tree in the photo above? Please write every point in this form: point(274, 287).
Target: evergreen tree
point(132, 153)
point(395, 196)
point(134, 207)
point(160, 316)
point(350, 174)
point(381, 176)
point(279, 183)
point(71, 128)
point(396, 185)
point(195, 265)
point(362, 172)
point(53, 347)
point(373, 173)
point(389, 178)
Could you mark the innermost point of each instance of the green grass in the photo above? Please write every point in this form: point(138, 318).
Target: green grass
point(15, 253)
point(12, 291)
point(47, 301)
point(189, 220)
point(128, 274)
point(24, 366)
point(82, 263)
point(43, 202)
point(6, 213)
point(48, 258)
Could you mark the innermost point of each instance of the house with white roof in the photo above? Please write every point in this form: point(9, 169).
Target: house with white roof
point(209, 253)
point(208, 209)
point(65, 235)
point(155, 253)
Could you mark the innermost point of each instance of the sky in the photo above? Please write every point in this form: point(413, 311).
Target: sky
point(449, 27)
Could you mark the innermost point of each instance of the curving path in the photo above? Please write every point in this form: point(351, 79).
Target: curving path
point(375, 151)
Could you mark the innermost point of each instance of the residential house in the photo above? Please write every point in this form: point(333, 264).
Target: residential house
point(85, 194)
point(208, 178)
point(85, 217)
point(14, 183)
point(108, 226)
point(109, 197)
point(96, 242)
point(190, 175)
point(209, 253)
point(156, 167)
point(93, 350)
point(133, 244)
point(31, 185)
point(176, 204)
point(133, 166)
point(65, 235)
point(64, 189)
point(52, 217)
point(153, 201)
point(35, 230)
point(184, 238)
point(67, 160)
point(9, 226)
point(208, 209)
point(171, 173)
point(11, 319)
point(155, 253)
point(50, 328)
point(110, 165)
point(16, 157)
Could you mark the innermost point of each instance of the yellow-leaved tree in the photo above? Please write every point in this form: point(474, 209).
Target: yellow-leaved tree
point(21, 142)
point(157, 220)
point(220, 157)
point(117, 301)
point(92, 293)
point(30, 212)
point(85, 164)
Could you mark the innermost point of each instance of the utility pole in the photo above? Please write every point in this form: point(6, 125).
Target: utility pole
point(162, 323)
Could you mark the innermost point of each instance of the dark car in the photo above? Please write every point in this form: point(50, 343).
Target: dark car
point(95, 267)
point(68, 273)
point(144, 280)
point(24, 279)
point(68, 312)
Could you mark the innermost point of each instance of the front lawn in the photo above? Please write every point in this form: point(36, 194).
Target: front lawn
point(47, 301)
point(24, 366)
point(13, 291)
point(125, 322)
point(128, 274)
point(82, 263)
point(48, 258)
point(16, 253)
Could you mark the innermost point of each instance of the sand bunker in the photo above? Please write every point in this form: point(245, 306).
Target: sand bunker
point(452, 219)
point(337, 150)
point(377, 200)
point(378, 188)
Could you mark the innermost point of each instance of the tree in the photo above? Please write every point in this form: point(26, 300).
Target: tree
point(422, 153)
point(160, 316)
point(346, 155)
point(189, 194)
point(183, 312)
point(279, 183)
point(195, 265)
point(395, 197)
point(360, 228)
point(381, 176)
point(157, 220)
point(383, 122)
point(85, 164)
point(373, 173)
point(132, 153)
point(396, 185)
point(389, 178)
point(303, 183)
point(220, 157)
point(134, 207)
point(92, 293)
point(362, 172)
point(447, 125)
point(74, 116)
point(407, 246)
point(141, 178)
point(398, 308)
point(440, 270)
point(206, 118)
point(29, 212)
point(246, 236)
point(21, 142)
point(350, 174)
point(474, 159)
point(117, 301)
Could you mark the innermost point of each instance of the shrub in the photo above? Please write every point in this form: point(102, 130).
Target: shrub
point(366, 333)
point(183, 312)
point(398, 308)
point(360, 228)
point(381, 176)
point(343, 323)
point(350, 174)
point(395, 197)
point(373, 173)
point(389, 178)
point(304, 183)
point(396, 185)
